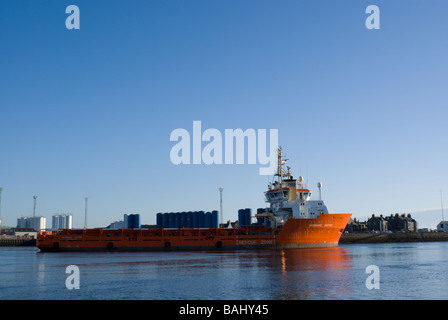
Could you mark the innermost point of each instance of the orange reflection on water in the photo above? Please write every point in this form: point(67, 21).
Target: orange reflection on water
point(308, 273)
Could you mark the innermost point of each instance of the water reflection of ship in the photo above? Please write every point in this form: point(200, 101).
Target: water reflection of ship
point(313, 273)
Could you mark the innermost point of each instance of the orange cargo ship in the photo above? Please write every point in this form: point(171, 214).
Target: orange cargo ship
point(293, 220)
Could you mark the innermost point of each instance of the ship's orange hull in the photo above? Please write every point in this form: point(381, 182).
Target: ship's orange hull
point(323, 231)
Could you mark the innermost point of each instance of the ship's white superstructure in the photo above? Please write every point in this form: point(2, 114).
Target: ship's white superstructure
point(290, 198)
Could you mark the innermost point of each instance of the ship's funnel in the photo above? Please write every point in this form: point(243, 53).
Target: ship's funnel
point(291, 185)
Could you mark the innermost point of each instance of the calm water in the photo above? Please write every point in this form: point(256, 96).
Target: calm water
point(407, 271)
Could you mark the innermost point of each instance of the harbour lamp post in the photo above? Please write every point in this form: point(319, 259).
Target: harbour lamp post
point(34, 205)
point(220, 204)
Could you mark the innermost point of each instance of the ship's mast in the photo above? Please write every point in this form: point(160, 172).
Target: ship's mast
point(279, 165)
point(280, 172)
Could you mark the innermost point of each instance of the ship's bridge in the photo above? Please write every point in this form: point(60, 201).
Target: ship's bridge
point(281, 194)
point(303, 193)
point(287, 190)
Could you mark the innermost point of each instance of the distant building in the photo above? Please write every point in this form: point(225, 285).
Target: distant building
point(131, 221)
point(355, 225)
point(22, 222)
point(401, 223)
point(62, 221)
point(377, 224)
point(442, 226)
point(23, 233)
point(392, 223)
point(37, 223)
point(116, 225)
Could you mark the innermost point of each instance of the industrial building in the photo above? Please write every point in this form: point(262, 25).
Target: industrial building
point(62, 221)
point(130, 221)
point(190, 219)
point(37, 223)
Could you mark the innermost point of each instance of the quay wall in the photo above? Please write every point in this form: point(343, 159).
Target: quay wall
point(346, 238)
point(351, 238)
point(17, 242)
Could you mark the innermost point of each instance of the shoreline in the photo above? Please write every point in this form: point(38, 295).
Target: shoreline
point(353, 238)
point(346, 238)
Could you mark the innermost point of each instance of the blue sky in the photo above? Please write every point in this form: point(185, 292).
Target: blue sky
point(89, 112)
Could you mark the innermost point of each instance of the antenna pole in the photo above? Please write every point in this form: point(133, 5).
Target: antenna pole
point(220, 204)
point(319, 185)
point(441, 202)
point(85, 214)
point(34, 205)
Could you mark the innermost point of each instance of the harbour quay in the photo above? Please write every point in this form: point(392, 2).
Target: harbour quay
point(392, 237)
point(17, 242)
point(18, 237)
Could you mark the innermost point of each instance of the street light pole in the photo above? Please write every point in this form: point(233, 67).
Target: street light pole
point(220, 204)
point(85, 213)
point(34, 206)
